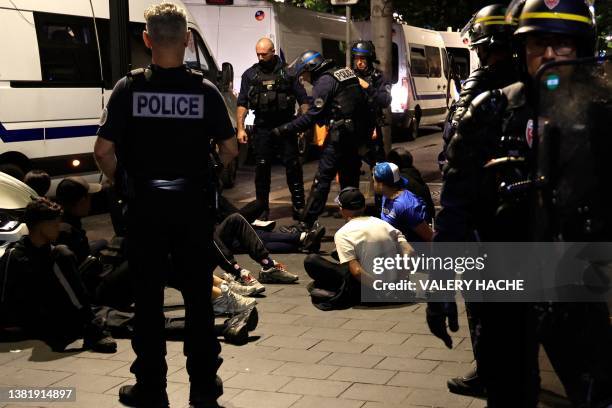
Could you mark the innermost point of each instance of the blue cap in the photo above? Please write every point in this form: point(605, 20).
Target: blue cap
point(389, 174)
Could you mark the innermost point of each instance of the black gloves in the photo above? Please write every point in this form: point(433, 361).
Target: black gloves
point(280, 131)
point(437, 314)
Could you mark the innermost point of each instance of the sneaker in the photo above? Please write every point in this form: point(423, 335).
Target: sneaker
point(98, 340)
point(277, 274)
point(237, 287)
point(237, 328)
point(137, 396)
point(264, 225)
point(205, 396)
point(246, 279)
point(312, 240)
point(231, 303)
point(299, 227)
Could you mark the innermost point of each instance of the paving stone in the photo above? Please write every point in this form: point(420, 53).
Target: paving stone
point(363, 375)
point(309, 310)
point(257, 381)
point(309, 401)
point(380, 393)
point(278, 318)
point(367, 324)
point(279, 329)
point(317, 371)
point(393, 350)
point(446, 355)
point(419, 380)
point(251, 365)
point(409, 327)
point(88, 399)
point(432, 398)
point(330, 334)
point(478, 403)
point(452, 369)
point(372, 337)
point(431, 341)
point(262, 399)
point(90, 382)
point(248, 350)
point(412, 365)
point(340, 346)
point(297, 356)
point(28, 377)
point(320, 388)
point(328, 322)
point(352, 360)
point(273, 307)
point(289, 342)
point(371, 404)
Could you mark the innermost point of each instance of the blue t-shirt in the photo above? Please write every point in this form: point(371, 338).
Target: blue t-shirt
point(404, 212)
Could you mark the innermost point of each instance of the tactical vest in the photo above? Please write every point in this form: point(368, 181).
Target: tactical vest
point(349, 101)
point(271, 93)
point(166, 136)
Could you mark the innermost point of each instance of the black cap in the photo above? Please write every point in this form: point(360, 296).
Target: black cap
point(72, 189)
point(350, 198)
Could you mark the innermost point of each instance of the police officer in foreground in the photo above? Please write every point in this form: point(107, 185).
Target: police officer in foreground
point(378, 91)
point(271, 91)
point(497, 125)
point(340, 104)
point(491, 36)
point(159, 124)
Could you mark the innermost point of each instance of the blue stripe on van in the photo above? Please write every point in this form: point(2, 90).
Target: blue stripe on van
point(28, 135)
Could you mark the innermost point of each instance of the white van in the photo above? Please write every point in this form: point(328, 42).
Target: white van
point(233, 30)
point(55, 78)
point(461, 56)
point(419, 82)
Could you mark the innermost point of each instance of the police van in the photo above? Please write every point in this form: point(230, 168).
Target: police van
point(55, 79)
point(463, 60)
point(419, 77)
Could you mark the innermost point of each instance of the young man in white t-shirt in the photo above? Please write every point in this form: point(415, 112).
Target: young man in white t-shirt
point(359, 242)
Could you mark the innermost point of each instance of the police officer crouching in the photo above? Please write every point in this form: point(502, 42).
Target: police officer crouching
point(271, 91)
point(340, 104)
point(159, 123)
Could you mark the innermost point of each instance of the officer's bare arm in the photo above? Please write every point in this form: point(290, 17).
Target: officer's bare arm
point(241, 113)
point(104, 154)
point(228, 150)
point(304, 108)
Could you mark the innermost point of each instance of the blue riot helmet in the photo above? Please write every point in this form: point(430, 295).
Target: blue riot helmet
point(310, 61)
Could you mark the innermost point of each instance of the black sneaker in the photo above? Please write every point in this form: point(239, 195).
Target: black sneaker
point(312, 240)
point(237, 328)
point(137, 396)
point(299, 228)
point(468, 384)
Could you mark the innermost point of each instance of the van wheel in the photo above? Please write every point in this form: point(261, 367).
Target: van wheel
point(228, 176)
point(13, 170)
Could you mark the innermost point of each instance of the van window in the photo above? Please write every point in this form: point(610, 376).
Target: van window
point(334, 50)
point(460, 61)
point(197, 57)
point(434, 62)
point(418, 62)
point(68, 50)
point(394, 63)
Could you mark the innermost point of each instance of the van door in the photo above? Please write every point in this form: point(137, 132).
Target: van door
point(429, 82)
point(58, 110)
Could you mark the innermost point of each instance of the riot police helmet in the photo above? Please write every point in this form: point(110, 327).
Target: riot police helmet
point(310, 61)
point(489, 27)
point(363, 48)
point(573, 18)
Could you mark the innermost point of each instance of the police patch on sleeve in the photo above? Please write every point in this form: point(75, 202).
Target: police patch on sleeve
point(344, 74)
point(529, 133)
point(103, 116)
point(166, 105)
point(319, 103)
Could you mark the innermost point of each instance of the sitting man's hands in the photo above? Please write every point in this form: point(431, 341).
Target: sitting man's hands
point(437, 315)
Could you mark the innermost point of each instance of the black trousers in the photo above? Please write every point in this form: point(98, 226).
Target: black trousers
point(341, 158)
point(267, 146)
point(325, 273)
point(576, 337)
point(235, 231)
point(164, 223)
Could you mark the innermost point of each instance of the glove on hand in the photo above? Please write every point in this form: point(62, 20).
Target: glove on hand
point(437, 314)
point(280, 131)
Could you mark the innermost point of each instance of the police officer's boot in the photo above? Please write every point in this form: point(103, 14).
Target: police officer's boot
point(200, 397)
point(139, 396)
point(297, 199)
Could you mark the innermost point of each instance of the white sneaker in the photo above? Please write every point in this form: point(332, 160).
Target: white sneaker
point(277, 273)
point(247, 279)
point(237, 287)
point(230, 303)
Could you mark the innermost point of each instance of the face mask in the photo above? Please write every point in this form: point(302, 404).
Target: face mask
point(268, 65)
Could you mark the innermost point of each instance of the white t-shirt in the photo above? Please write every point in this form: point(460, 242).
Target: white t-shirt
point(367, 238)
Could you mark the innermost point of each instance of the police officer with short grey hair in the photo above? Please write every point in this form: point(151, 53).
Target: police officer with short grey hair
point(159, 124)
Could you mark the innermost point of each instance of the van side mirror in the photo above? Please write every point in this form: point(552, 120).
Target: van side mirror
point(227, 76)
